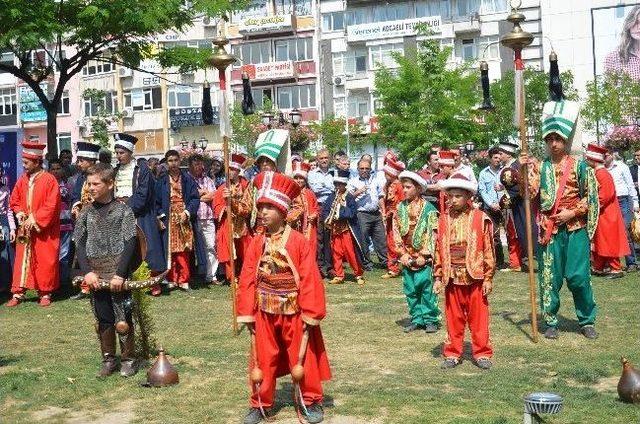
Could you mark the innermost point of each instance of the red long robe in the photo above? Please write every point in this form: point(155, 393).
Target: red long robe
point(278, 336)
point(610, 238)
point(41, 265)
point(241, 209)
point(303, 217)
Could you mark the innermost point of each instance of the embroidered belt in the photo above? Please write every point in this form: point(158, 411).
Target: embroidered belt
point(278, 294)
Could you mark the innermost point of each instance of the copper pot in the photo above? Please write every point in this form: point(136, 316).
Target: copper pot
point(629, 384)
point(162, 373)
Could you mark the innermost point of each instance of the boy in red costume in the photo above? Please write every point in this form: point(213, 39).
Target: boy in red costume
point(303, 215)
point(464, 268)
point(610, 238)
point(280, 298)
point(237, 188)
point(393, 195)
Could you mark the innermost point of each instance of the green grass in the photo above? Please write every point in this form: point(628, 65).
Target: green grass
point(48, 359)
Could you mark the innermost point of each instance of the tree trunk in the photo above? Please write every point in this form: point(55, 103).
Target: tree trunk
point(52, 130)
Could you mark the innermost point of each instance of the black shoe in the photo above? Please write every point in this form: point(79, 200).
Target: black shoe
point(412, 327)
point(449, 363)
point(616, 275)
point(589, 332)
point(631, 268)
point(254, 416)
point(551, 333)
point(79, 296)
point(484, 363)
point(431, 328)
point(315, 413)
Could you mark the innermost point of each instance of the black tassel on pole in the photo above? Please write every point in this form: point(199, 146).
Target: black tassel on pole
point(207, 109)
point(248, 106)
point(484, 80)
point(555, 83)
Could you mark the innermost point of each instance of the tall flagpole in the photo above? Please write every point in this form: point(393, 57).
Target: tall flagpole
point(516, 40)
point(220, 60)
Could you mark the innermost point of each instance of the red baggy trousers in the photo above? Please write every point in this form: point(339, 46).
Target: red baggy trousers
point(467, 305)
point(180, 273)
point(515, 252)
point(392, 255)
point(343, 249)
point(278, 340)
point(601, 262)
point(241, 245)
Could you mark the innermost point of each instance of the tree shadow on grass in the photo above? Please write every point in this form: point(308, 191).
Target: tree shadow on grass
point(8, 360)
point(284, 398)
point(524, 325)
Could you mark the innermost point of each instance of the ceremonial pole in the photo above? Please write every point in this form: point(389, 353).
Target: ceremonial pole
point(220, 60)
point(516, 40)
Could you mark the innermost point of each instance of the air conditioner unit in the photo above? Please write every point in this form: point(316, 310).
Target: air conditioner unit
point(81, 124)
point(125, 72)
point(208, 22)
point(127, 112)
point(338, 80)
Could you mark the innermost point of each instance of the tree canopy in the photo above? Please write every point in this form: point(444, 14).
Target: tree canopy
point(59, 37)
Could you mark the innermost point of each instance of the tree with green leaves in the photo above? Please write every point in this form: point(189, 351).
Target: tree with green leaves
point(52, 40)
point(331, 132)
point(426, 103)
point(613, 100)
point(102, 119)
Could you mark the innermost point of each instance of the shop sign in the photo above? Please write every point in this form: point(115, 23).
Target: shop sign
point(392, 29)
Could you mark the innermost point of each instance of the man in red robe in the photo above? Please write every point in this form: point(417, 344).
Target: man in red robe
point(237, 189)
point(393, 195)
point(35, 201)
point(303, 215)
point(281, 298)
point(609, 242)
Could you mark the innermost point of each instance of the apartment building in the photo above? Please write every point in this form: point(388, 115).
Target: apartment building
point(359, 36)
point(276, 42)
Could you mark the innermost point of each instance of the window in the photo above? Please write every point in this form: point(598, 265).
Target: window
point(63, 105)
point(494, 6)
point(381, 55)
point(493, 52)
point(466, 49)
point(180, 96)
point(143, 99)
point(196, 44)
point(64, 141)
point(299, 7)
point(390, 12)
point(358, 105)
point(8, 105)
point(467, 7)
point(254, 9)
point(357, 16)
point(350, 62)
point(260, 95)
point(296, 96)
point(433, 8)
point(109, 104)
point(252, 53)
point(97, 67)
point(333, 21)
point(294, 49)
point(6, 59)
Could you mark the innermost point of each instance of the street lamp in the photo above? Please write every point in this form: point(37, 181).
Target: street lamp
point(267, 117)
point(203, 143)
point(470, 146)
point(184, 143)
point(296, 117)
